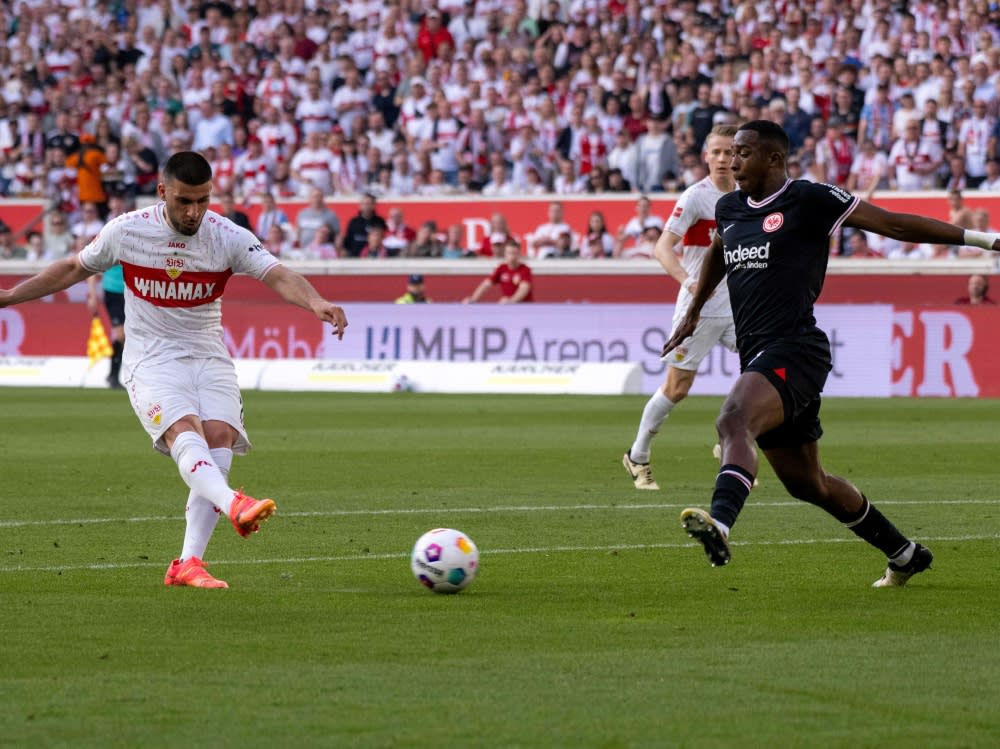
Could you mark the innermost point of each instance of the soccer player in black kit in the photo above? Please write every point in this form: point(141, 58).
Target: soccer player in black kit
point(772, 246)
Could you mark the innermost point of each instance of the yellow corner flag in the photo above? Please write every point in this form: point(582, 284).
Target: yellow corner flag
point(98, 345)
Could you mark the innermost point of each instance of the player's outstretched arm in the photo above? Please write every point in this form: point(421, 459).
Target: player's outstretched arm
point(60, 275)
point(908, 227)
point(294, 288)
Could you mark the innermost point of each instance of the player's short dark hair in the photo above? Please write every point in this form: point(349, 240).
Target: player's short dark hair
point(770, 134)
point(188, 167)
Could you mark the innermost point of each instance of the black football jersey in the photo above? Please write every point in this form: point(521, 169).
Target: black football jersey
point(776, 253)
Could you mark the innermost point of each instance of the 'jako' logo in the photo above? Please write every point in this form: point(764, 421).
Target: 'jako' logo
point(773, 222)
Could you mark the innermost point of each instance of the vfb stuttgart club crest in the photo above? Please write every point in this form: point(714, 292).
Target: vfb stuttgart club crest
point(773, 222)
point(175, 266)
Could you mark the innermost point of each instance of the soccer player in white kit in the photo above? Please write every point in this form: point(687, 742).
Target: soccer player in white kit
point(692, 225)
point(177, 257)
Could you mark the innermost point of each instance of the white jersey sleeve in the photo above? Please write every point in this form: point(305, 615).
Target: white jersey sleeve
point(693, 219)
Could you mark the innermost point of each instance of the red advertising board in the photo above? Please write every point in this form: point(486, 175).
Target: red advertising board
point(525, 214)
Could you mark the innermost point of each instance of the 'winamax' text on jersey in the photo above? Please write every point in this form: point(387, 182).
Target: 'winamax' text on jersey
point(174, 282)
point(776, 254)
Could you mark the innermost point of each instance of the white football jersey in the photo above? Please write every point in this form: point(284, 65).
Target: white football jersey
point(693, 219)
point(174, 282)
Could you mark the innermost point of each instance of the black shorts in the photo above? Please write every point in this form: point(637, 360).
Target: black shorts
point(798, 368)
point(114, 303)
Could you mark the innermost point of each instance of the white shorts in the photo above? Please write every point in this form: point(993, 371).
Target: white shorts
point(162, 392)
point(708, 332)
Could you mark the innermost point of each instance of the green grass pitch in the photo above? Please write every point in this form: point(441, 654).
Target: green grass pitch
point(594, 621)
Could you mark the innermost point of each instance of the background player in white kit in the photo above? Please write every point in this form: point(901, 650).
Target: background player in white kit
point(692, 224)
point(177, 257)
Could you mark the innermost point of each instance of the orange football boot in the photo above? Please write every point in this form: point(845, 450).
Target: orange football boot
point(191, 573)
point(248, 513)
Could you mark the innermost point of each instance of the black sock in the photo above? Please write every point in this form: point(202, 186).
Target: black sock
point(872, 526)
point(732, 487)
point(116, 359)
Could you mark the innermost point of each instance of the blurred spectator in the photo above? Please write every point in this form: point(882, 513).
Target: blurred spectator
point(415, 292)
point(979, 291)
point(641, 247)
point(913, 162)
point(88, 223)
point(398, 234)
point(313, 166)
point(213, 127)
point(835, 154)
point(356, 235)
point(9, 249)
point(498, 185)
point(991, 182)
point(316, 214)
point(350, 102)
point(858, 247)
point(87, 160)
point(973, 142)
point(497, 237)
point(656, 157)
point(322, 245)
point(513, 277)
point(278, 241)
point(426, 243)
point(58, 239)
point(270, 215)
point(642, 220)
point(554, 238)
point(596, 241)
point(234, 214)
point(869, 171)
point(454, 245)
point(906, 112)
point(143, 164)
point(955, 179)
point(34, 246)
point(876, 121)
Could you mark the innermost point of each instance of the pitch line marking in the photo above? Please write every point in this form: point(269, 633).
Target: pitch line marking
point(489, 552)
point(470, 510)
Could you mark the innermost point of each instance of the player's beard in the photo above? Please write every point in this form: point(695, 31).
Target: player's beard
point(178, 225)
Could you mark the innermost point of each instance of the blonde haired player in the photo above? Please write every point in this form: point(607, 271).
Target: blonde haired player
point(177, 257)
point(681, 250)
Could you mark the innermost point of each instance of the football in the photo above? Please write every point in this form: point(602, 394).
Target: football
point(445, 560)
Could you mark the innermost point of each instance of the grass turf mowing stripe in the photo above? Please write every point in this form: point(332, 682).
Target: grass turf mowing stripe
point(472, 510)
point(489, 552)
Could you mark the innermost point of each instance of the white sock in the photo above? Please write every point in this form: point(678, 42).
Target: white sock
point(722, 527)
point(903, 558)
point(194, 462)
point(657, 409)
point(200, 514)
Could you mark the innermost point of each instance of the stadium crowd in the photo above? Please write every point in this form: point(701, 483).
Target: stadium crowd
point(314, 98)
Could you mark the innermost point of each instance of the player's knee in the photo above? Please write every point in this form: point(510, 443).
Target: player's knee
point(676, 392)
point(732, 423)
point(219, 434)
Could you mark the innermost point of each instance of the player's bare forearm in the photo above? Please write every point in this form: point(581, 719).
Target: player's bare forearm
point(907, 227)
point(60, 275)
point(664, 252)
point(520, 292)
point(295, 288)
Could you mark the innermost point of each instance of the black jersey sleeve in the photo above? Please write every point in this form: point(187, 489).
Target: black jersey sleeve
point(829, 205)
